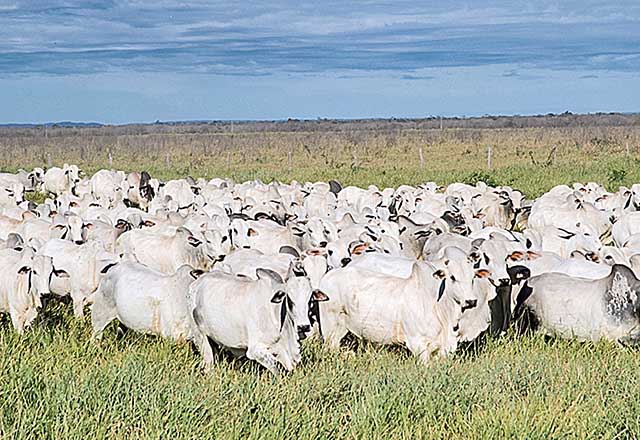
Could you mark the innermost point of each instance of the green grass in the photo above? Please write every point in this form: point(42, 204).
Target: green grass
point(57, 383)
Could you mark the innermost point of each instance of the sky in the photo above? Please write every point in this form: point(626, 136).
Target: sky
point(120, 61)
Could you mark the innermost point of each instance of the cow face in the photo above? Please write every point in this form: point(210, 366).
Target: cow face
point(42, 268)
point(460, 278)
point(75, 231)
point(217, 245)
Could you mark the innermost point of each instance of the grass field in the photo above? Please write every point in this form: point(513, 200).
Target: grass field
point(57, 383)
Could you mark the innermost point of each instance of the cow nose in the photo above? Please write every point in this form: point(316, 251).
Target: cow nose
point(79, 242)
point(323, 244)
point(304, 328)
point(345, 261)
point(504, 281)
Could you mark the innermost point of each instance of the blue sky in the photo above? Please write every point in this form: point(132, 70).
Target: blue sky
point(120, 61)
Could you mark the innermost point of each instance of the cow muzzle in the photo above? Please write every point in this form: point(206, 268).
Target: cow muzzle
point(302, 331)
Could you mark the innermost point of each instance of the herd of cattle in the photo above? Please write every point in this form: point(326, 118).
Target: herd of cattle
point(256, 268)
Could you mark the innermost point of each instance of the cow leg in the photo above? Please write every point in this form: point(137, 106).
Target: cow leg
point(333, 329)
point(102, 313)
point(17, 322)
point(207, 351)
point(420, 349)
point(78, 303)
point(261, 354)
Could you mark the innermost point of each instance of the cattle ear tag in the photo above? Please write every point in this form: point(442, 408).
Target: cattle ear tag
point(439, 274)
point(278, 297)
point(482, 273)
point(319, 296)
point(23, 270)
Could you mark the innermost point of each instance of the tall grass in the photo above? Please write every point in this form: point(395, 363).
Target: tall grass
point(55, 382)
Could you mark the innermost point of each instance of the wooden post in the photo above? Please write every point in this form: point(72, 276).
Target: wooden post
point(290, 160)
point(228, 159)
point(489, 154)
point(555, 154)
point(49, 162)
point(421, 158)
point(628, 151)
point(168, 161)
point(110, 160)
point(355, 157)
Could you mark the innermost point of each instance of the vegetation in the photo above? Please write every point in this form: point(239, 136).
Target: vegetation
point(58, 383)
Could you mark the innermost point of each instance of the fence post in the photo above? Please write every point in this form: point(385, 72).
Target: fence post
point(110, 160)
point(355, 157)
point(421, 158)
point(49, 162)
point(228, 159)
point(289, 160)
point(489, 158)
point(167, 161)
point(628, 151)
point(555, 154)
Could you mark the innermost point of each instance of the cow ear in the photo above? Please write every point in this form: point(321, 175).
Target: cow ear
point(278, 296)
point(439, 274)
point(103, 271)
point(268, 274)
point(359, 249)
point(477, 243)
point(148, 223)
point(319, 296)
point(441, 288)
point(196, 273)
point(252, 232)
point(297, 230)
point(289, 250)
point(24, 270)
point(64, 274)
point(533, 255)
point(88, 225)
point(482, 273)
point(59, 227)
point(193, 241)
point(516, 256)
point(296, 269)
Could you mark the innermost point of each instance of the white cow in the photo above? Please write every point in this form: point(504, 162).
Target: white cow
point(144, 300)
point(164, 252)
point(262, 319)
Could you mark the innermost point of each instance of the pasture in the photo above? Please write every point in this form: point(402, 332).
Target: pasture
point(58, 383)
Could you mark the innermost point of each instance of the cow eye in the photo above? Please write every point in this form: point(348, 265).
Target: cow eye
point(608, 257)
point(486, 259)
point(330, 252)
point(452, 278)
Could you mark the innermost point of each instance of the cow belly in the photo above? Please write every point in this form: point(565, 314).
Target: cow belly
point(379, 323)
